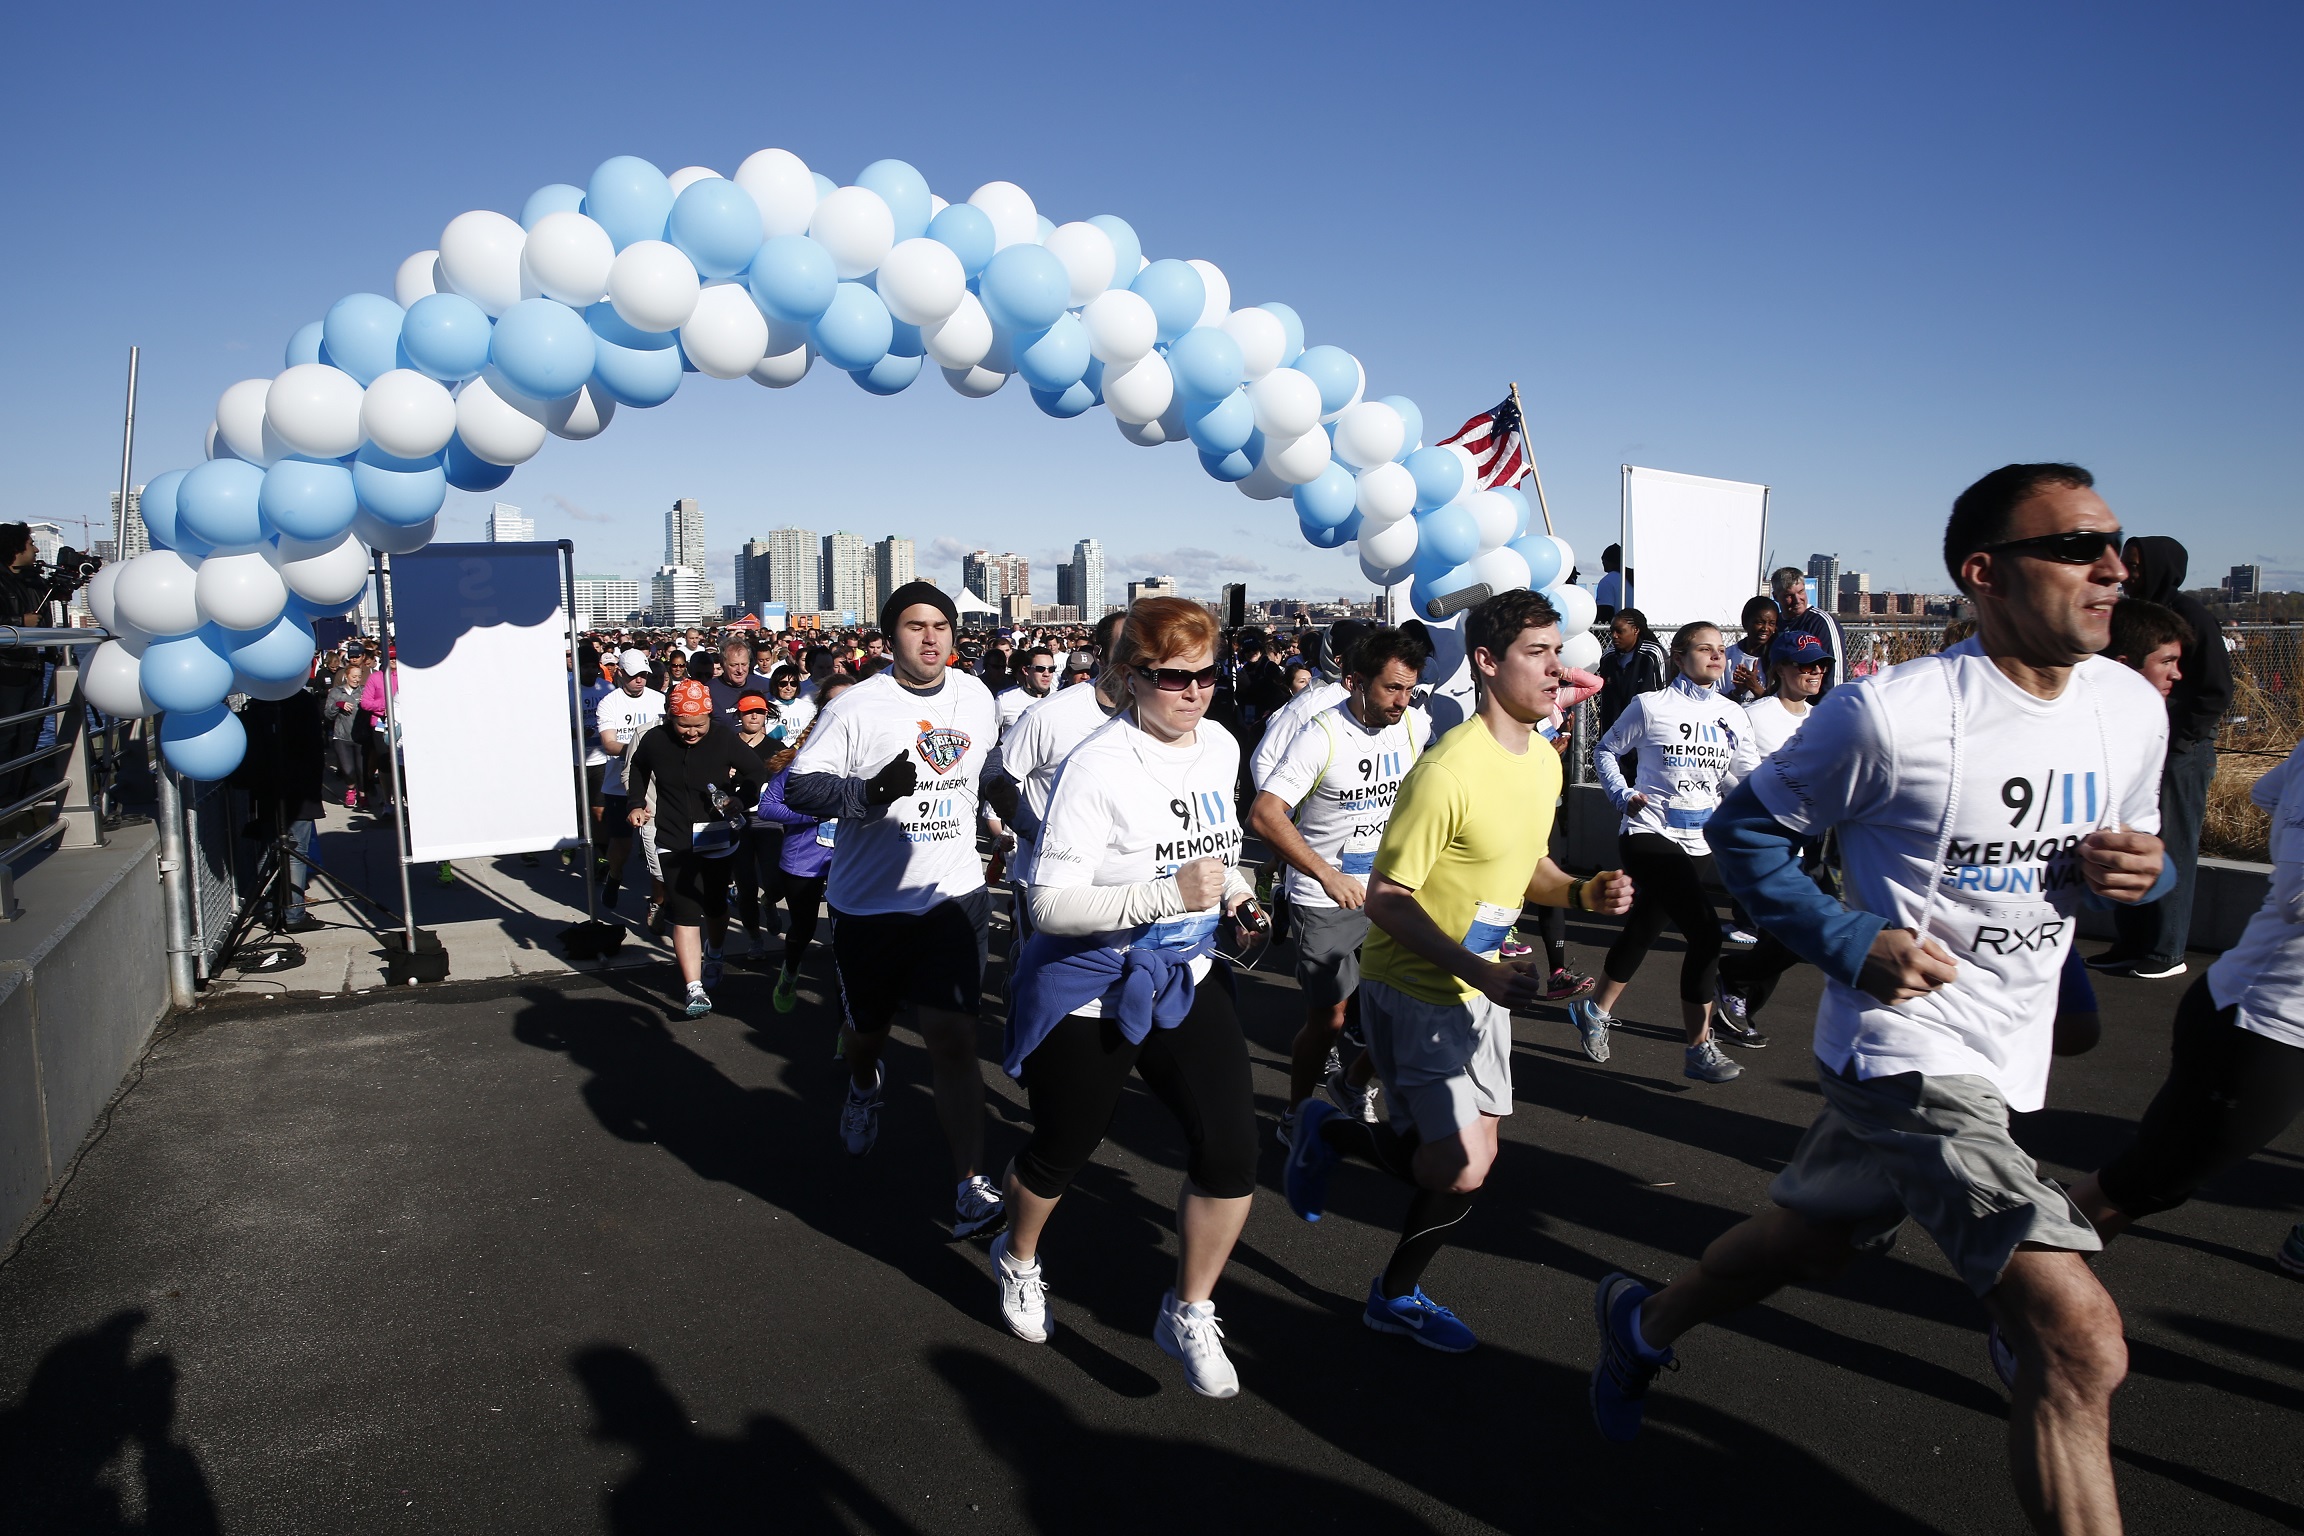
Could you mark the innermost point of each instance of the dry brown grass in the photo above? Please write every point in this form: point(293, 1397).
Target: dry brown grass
point(2267, 713)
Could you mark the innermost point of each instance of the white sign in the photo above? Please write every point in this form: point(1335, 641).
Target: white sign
point(1693, 546)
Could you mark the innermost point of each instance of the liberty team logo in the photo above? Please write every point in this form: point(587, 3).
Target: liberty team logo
point(941, 745)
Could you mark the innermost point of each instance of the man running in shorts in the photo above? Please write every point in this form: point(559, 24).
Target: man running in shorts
point(706, 782)
point(896, 760)
point(1462, 852)
point(1978, 794)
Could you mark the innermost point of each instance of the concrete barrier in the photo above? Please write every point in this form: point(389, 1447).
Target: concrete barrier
point(83, 979)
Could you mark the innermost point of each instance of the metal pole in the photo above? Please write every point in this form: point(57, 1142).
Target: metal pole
point(127, 457)
point(576, 725)
point(392, 752)
point(1526, 442)
point(175, 888)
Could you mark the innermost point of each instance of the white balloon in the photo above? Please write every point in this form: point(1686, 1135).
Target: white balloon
point(156, 593)
point(480, 258)
point(936, 205)
point(1392, 545)
point(727, 334)
point(315, 410)
point(1140, 391)
point(1263, 340)
point(682, 179)
point(100, 596)
point(782, 370)
point(1088, 258)
point(1014, 220)
point(110, 682)
point(407, 415)
point(653, 286)
point(1498, 520)
point(240, 591)
point(1471, 469)
point(921, 281)
point(1144, 434)
point(389, 538)
point(1287, 405)
point(329, 572)
point(1299, 460)
point(1581, 612)
point(1262, 484)
point(418, 278)
point(1369, 434)
point(1385, 494)
point(493, 427)
point(581, 416)
point(1502, 569)
point(781, 184)
point(1219, 304)
point(976, 382)
point(240, 423)
point(855, 225)
point(567, 258)
point(1121, 326)
point(963, 339)
point(1582, 651)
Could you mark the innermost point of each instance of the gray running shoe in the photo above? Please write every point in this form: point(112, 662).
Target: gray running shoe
point(1707, 1063)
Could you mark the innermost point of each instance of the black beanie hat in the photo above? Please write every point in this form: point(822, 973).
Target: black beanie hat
point(909, 594)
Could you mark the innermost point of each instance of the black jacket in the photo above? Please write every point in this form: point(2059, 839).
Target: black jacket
point(1627, 674)
point(2197, 707)
point(682, 774)
point(287, 743)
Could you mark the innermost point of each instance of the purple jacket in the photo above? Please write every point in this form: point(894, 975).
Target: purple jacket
point(804, 855)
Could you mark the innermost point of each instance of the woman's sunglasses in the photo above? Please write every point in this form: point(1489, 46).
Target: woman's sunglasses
point(2082, 546)
point(1177, 679)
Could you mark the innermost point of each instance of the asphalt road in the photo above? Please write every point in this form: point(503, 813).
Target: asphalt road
point(533, 1256)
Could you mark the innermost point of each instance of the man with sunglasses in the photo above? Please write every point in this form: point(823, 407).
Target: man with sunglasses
point(1978, 796)
point(1035, 680)
point(1789, 586)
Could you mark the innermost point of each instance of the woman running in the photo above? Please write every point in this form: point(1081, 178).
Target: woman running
point(1688, 745)
point(804, 859)
point(1138, 855)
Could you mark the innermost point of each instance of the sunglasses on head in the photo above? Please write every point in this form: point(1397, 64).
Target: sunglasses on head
point(1177, 679)
point(2081, 546)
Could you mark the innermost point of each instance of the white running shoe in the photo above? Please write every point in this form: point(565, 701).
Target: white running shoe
point(1707, 1063)
point(699, 1001)
point(1359, 1103)
point(1192, 1335)
point(860, 1115)
point(977, 1209)
point(1023, 1294)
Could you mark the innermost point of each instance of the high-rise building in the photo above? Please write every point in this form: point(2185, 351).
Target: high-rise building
point(507, 526)
point(607, 602)
point(996, 577)
point(1067, 587)
point(1088, 578)
point(1854, 592)
point(1824, 573)
point(678, 596)
point(847, 575)
point(684, 534)
point(1150, 586)
point(752, 573)
point(139, 539)
point(2245, 580)
point(795, 570)
point(892, 566)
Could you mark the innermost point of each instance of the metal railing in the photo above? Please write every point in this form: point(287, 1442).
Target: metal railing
point(86, 792)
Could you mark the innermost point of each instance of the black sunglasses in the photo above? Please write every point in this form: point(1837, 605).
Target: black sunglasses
point(2082, 546)
point(1039, 669)
point(1177, 679)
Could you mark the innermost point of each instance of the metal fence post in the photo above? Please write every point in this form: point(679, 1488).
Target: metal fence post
point(175, 887)
point(83, 818)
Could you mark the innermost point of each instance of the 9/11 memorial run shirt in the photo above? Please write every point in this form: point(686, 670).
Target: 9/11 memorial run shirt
point(1340, 778)
point(1689, 744)
point(1882, 760)
point(909, 856)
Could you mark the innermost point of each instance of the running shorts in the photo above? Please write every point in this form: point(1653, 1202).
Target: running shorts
point(695, 888)
point(1443, 1065)
point(1328, 953)
point(613, 810)
point(931, 959)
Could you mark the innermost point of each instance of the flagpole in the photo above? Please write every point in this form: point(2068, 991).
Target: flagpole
point(1525, 442)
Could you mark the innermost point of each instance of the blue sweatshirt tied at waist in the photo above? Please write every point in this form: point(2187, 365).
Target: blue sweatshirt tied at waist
point(1142, 989)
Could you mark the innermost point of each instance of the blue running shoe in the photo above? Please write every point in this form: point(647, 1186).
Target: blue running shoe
point(1620, 1381)
point(1419, 1317)
point(1310, 1159)
point(1591, 1027)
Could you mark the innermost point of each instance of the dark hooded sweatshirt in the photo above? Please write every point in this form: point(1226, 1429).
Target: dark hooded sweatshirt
point(2197, 705)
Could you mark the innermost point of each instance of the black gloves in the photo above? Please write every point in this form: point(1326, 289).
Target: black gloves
point(893, 782)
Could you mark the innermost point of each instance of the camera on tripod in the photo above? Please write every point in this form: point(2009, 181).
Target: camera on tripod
point(71, 571)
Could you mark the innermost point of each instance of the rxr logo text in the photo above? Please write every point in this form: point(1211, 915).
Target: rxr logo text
point(2014, 941)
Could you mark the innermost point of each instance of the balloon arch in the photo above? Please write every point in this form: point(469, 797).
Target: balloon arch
point(607, 295)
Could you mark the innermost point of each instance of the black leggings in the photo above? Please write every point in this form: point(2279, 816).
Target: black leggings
point(1752, 974)
point(1668, 883)
point(803, 897)
point(1199, 1070)
point(2228, 1093)
point(346, 752)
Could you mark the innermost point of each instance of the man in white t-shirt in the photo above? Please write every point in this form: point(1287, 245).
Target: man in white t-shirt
point(1978, 795)
point(1023, 778)
point(622, 716)
point(1035, 679)
point(1324, 692)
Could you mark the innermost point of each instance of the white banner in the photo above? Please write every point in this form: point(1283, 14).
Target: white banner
point(1693, 546)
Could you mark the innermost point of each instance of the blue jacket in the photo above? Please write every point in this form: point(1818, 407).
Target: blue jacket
point(1143, 989)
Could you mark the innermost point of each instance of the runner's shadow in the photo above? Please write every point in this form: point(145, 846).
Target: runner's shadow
point(91, 1442)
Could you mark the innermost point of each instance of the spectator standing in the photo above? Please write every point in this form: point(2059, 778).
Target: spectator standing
point(1789, 586)
point(1609, 595)
point(23, 675)
point(1748, 666)
point(1636, 666)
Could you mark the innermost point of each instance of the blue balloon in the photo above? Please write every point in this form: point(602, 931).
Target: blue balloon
point(1025, 288)
point(1410, 418)
point(855, 329)
point(1293, 324)
point(307, 500)
point(1450, 533)
point(1220, 426)
point(825, 185)
point(158, 507)
point(543, 348)
point(304, 346)
point(892, 375)
point(1320, 537)
point(1543, 557)
point(1176, 293)
point(559, 197)
point(467, 471)
point(402, 492)
point(904, 190)
point(1329, 500)
point(277, 654)
point(205, 744)
point(1066, 403)
point(792, 279)
point(217, 504)
point(1519, 502)
point(189, 672)
point(906, 340)
point(1446, 580)
point(1127, 250)
point(630, 199)
point(637, 368)
point(967, 230)
point(1439, 475)
point(1228, 467)
point(1054, 359)
point(1335, 371)
point(362, 335)
point(445, 336)
point(1047, 228)
point(306, 611)
point(716, 225)
point(1206, 363)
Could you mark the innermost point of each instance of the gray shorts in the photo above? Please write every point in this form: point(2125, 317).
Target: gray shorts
point(1327, 952)
point(1443, 1064)
point(1936, 1149)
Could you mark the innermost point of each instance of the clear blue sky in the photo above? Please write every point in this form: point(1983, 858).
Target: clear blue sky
point(1860, 253)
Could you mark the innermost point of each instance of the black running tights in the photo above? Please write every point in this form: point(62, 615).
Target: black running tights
point(1668, 885)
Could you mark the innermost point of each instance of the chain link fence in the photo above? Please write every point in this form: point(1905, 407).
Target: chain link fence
point(224, 864)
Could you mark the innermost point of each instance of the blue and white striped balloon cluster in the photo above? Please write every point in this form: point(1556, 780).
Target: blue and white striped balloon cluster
point(609, 294)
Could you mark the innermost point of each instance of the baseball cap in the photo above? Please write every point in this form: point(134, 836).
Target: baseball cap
point(1797, 648)
point(750, 701)
point(1080, 661)
point(633, 661)
point(689, 697)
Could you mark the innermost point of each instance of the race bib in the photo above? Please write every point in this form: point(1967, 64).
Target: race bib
point(1358, 861)
point(826, 833)
point(1686, 817)
point(1490, 923)
point(1184, 932)
point(713, 839)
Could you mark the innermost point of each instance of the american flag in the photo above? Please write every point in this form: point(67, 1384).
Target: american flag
point(1497, 441)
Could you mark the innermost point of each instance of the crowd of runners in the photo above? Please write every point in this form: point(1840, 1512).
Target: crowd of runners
point(1926, 836)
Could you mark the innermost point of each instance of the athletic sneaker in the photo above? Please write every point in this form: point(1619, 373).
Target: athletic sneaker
point(1707, 1063)
point(699, 1000)
point(351, 799)
point(787, 994)
point(1192, 1335)
point(1743, 937)
point(977, 1209)
point(1620, 1380)
point(1023, 1294)
point(2290, 1255)
point(2003, 1357)
point(1592, 1024)
point(1359, 1103)
point(2114, 959)
point(860, 1115)
point(1419, 1317)
point(1310, 1160)
point(1513, 949)
point(715, 967)
point(2158, 970)
point(1566, 984)
point(446, 875)
point(1285, 1131)
point(609, 891)
point(1732, 1020)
